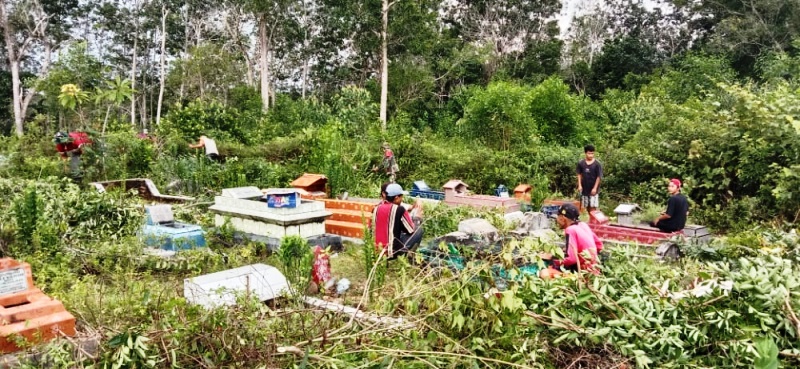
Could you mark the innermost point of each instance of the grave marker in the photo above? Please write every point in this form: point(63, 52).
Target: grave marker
point(25, 312)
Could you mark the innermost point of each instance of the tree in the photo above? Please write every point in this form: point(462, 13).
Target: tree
point(117, 91)
point(504, 27)
point(744, 29)
point(34, 21)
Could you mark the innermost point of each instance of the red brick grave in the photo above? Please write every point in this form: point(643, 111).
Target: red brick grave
point(27, 314)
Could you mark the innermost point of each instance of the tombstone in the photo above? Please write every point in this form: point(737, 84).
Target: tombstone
point(25, 312)
point(163, 232)
point(625, 213)
point(223, 288)
point(697, 233)
point(523, 192)
point(533, 221)
point(479, 227)
point(315, 186)
point(501, 191)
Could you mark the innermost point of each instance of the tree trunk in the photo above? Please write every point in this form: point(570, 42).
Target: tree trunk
point(133, 79)
point(384, 62)
point(264, 44)
point(163, 57)
point(185, 54)
point(13, 63)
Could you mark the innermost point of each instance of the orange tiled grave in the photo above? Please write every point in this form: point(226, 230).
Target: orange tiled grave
point(27, 314)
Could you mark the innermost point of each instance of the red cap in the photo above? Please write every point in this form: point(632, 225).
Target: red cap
point(676, 182)
point(388, 153)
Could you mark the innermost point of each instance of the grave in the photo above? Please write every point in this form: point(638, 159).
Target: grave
point(422, 190)
point(222, 288)
point(313, 186)
point(144, 187)
point(250, 212)
point(26, 312)
point(625, 213)
point(163, 232)
point(455, 194)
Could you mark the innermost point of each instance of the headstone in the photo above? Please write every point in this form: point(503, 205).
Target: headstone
point(222, 288)
point(421, 186)
point(625, 213)
point(159, 214)
point(27, 314)
point(242, 192)
point(480, 227)
point(533, 221)
point(13, 280)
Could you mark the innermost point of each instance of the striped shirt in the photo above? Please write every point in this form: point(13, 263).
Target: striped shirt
point(390, 221)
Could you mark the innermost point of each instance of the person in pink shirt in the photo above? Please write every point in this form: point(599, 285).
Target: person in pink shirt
point(583, 246)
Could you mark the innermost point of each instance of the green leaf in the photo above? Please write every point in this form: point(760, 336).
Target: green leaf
point(767, 354)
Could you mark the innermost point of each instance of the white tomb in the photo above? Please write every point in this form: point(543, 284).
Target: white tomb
point(222, 288)
point(249, 212)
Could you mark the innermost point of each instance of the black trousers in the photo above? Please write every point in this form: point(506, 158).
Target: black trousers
point(667, 228)
point(407, 242)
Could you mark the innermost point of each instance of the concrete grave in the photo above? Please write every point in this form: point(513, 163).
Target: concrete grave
point(479, 227)
point(144, 187)
point(222, 288)
point(249, 213)
point(26, 312)
point(163, 232)
point(532, 221)
point(625, 213)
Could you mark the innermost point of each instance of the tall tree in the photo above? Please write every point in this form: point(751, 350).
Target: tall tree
point(23, 23)
point(503, 27)
point(745, 29)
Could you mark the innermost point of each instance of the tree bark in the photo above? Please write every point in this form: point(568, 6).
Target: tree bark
point(162, 62)
point(384, 62)
point(13, 63)
point(265, 76)
point(133, 74)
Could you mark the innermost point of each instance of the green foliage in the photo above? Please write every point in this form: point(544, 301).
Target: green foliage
point(212, 119)
point(27, 211)
point(497, 116)
point(296, 259)
point(555, 112)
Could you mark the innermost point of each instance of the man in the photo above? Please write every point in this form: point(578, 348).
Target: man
point(583, 245)
point(393, 227)
point(389, 162)
point(674, 219)
point(71, 146)
point(590, 172)
point(210, 146)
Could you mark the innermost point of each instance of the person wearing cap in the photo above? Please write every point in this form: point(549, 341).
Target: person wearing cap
point(393, 227)
point(389, 162)
point(583, 246)
point(590, 173)
point(210, 147)
point(674, 219)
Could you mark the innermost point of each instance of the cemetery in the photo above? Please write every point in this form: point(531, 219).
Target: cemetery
point(400, 184)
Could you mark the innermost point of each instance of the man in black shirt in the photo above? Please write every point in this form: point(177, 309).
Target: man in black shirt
point(674, 219)
point(590, 172)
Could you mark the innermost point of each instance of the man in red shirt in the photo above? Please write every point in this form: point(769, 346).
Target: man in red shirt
point(393, 227)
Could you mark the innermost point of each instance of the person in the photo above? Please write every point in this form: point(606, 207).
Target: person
point(71, 146)
point(583, 245)
point(674, 219)
point(210, 147)
point(590, 173)
point(394, 229)
point(389, 162)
